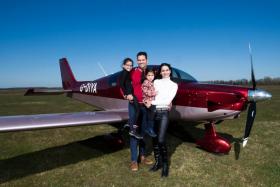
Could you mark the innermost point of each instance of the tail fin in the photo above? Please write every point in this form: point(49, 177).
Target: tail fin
point(67, 76)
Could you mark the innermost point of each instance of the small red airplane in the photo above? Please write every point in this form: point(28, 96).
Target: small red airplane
point(194, 102)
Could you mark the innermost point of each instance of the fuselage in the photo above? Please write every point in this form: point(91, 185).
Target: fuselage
point(194, 101)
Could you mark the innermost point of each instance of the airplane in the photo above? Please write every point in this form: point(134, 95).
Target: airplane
point(194, 102)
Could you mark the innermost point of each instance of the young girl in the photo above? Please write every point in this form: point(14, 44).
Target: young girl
point(149, 94)
point(127, 91)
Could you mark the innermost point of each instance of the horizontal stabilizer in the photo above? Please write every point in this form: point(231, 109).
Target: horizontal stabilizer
point(44, 121)
point(32, 91)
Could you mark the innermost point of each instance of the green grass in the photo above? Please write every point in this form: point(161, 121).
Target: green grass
point(75, 156)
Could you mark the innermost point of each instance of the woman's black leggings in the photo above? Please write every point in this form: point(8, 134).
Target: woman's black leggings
point(161, 124)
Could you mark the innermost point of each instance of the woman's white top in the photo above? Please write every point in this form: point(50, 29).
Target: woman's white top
point(166, 91)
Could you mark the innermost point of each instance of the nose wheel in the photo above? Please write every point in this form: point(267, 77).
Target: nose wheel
point(212, 142)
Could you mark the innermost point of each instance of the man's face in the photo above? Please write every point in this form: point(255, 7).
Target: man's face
point(142, 61)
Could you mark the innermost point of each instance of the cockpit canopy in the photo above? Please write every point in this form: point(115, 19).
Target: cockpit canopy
point(181, 75)
point(177, 75)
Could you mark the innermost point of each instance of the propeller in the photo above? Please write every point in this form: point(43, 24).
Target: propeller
point(252, 68)
point(252, 106)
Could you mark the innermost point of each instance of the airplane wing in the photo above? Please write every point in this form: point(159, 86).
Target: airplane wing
point(43, 121)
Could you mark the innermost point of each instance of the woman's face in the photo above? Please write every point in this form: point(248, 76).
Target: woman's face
point(127, 66)
point(165, 72)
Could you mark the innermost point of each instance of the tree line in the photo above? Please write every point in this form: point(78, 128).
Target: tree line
point(264, 81)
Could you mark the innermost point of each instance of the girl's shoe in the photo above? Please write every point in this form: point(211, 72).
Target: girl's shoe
point(135, 135)
point(151, 132)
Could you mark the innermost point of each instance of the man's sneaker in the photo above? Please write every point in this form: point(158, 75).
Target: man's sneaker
point(134, 166)
point(135, 135)
point(145, 160)
point(150, 132)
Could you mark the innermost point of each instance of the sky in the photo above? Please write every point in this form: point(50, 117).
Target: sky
point(205, 38)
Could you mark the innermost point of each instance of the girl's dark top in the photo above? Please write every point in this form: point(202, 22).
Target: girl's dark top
point(125, 82)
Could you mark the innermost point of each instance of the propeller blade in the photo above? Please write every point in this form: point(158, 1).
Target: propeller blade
point(252, 107)
point(249, 123)
point(237, 149)
point(252, 68)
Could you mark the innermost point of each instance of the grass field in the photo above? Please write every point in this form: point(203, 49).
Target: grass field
point(77, 156)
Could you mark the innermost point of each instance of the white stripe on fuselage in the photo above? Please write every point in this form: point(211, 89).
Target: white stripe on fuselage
point(184, 113)
point(188, 113)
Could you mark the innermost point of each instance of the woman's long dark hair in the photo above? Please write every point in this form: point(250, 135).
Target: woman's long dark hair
point(127, 60)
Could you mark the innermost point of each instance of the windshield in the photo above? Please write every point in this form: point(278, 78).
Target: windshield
point(183, 75)
point(177, 75)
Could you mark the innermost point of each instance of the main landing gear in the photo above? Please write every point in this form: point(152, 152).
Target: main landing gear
point(115, 140)
point(212, 142)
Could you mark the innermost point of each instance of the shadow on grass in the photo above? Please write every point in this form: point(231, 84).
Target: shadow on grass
point(51, 158)
point(191, 133)
point(55, 157)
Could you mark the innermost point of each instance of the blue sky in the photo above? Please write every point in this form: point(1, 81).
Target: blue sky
point(208, 39)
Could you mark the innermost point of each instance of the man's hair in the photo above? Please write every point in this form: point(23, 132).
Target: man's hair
point(142, 53)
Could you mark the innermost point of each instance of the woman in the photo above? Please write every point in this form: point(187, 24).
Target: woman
point(127, 91)
point(166, 90)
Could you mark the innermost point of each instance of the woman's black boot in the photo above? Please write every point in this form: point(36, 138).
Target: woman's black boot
point(158, 163)
point(165, 166)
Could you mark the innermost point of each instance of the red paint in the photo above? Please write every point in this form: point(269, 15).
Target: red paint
point(67, 76)
point(212, 142)
point(211, 96)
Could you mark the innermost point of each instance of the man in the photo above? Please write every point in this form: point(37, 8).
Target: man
point(137, 76)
